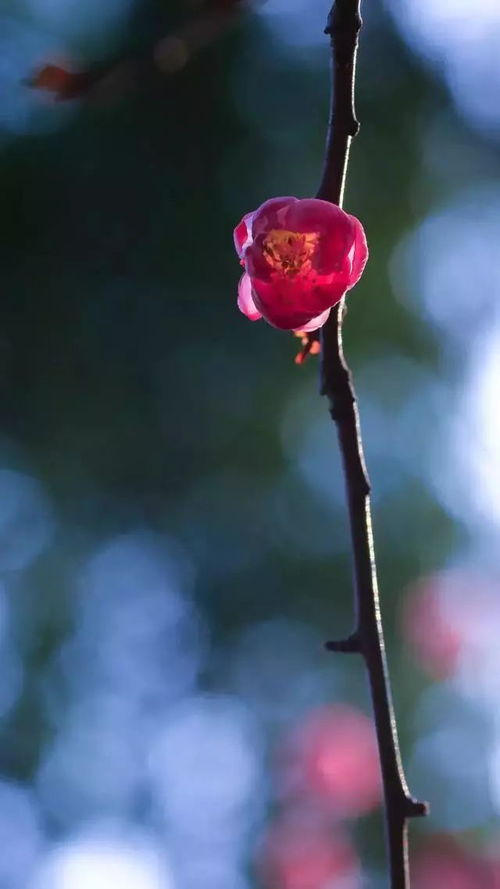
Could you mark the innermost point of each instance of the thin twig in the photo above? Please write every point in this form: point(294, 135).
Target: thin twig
point(344, 23)
point(167, 56)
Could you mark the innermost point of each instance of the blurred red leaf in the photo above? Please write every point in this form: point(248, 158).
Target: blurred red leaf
point(63, 83)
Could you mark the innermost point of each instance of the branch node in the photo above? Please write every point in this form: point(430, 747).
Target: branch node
point(351, 645)
point(341, 18)
point(355, 127)
point(415, 809)
point(340, 411)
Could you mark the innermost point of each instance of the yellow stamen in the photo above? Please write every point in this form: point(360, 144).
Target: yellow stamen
point(290, 252)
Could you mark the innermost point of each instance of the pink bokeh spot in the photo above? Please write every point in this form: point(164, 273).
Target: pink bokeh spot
point(333, 759)
point(301, 851)
point(435, 638)
point(443, 864)
point(448, 620)
point(301, 257)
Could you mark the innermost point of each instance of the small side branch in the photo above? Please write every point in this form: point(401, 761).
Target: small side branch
point(350, 645)
point(167, 56)
point(344, 23)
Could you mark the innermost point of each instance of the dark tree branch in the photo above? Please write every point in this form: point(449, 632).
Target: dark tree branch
point(344, 23)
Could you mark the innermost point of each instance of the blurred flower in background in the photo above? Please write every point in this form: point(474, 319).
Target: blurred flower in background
point(443, 862)
point(333, 759)
point(303, 851)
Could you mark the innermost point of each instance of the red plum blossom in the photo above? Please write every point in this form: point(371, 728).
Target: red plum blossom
point(300, 257)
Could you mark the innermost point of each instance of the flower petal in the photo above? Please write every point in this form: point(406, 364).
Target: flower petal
point(255, 260)
point(245, 299)
point(315, 323)
point(360, 255)
point(313, 214)
point(242, 234)
point(290, 304)
point(271, 214)
point(335, 243)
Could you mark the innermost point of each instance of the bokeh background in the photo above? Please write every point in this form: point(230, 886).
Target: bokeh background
point(173, 544)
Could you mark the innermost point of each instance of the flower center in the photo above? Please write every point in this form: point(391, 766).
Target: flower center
point(290, 252)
